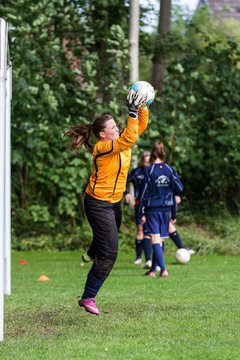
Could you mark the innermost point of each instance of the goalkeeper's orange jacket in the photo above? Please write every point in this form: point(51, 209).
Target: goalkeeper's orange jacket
point(111, 161)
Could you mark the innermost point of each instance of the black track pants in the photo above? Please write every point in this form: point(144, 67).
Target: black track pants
point(105, 220)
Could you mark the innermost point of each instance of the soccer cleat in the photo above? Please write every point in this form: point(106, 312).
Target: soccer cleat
point(137, 261)
point(150, 273)
point(89, 305)
point(164, 273)
point(147, 265)
point(86, 258)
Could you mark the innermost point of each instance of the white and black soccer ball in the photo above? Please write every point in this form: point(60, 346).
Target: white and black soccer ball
point(144, 88)
point(182, 256)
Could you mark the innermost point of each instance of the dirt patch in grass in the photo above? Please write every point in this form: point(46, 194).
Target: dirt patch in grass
point(21, 324)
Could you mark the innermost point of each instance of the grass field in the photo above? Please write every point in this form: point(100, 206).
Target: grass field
point(192, 314)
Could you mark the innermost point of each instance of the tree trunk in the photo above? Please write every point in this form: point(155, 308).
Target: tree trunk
point(134, 64)
point(160, 58)
point(134, 40)
point(22, 174)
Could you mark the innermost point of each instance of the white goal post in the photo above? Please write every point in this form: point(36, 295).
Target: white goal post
point(5, 170)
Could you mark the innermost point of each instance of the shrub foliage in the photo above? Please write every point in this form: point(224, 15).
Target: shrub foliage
point(70, 63)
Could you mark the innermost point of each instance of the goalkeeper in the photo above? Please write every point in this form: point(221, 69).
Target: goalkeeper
point(111, 157)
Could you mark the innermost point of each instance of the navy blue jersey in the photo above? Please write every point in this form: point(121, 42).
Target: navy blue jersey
point(137, 177)
point(161, 187)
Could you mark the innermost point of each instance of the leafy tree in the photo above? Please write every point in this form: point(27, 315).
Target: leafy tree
point(200, 110)
point(70, 63)
point(69, 59)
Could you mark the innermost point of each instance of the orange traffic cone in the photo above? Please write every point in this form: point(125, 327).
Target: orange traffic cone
point(43, 278)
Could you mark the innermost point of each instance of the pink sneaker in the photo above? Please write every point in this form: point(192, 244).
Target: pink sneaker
point(89, 305)
point(150, 273)
point(164, 273)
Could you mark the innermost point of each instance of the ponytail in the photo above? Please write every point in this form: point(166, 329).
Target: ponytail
point(79, 135)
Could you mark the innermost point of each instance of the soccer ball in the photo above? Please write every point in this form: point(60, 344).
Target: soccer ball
point(182, 256)
point(144, 88)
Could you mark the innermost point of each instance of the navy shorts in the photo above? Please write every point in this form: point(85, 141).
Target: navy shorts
point(157, 223)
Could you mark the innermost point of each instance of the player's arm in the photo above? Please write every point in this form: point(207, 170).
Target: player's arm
point(128, 196)
point(130, 179)
point(177, 184)
point(174, 211)
point(143, 117)
point(145, 197)
point(178, 199)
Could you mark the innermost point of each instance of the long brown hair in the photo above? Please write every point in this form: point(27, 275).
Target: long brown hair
point(80, 134)
point(144, 155)
point(158, 151)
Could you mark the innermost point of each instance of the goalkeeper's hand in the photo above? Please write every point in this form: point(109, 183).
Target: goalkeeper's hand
point(135, 100)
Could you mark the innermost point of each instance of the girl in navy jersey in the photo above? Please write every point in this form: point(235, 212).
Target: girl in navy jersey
point(157, 201)
point(137, 177)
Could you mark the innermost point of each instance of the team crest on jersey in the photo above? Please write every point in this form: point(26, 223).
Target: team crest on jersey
point(162, 180)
